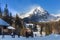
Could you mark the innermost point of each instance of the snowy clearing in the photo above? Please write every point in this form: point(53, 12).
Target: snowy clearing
point(50, 37)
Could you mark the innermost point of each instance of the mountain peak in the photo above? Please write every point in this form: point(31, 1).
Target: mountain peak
point(38, 14)
point(35, 10)
point(39, 9)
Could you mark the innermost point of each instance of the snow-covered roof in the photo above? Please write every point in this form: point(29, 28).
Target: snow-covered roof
point(29, 24)
point(3, 23)
point(10, 27)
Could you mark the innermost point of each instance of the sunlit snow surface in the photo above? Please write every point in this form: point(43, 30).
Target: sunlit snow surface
point(50, 37)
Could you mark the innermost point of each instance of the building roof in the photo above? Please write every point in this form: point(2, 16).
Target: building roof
point(3, 23)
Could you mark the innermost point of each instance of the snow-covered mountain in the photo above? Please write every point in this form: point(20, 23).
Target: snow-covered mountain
point(38, 14)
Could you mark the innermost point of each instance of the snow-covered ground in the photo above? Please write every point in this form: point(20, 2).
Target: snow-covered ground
point(50, 37)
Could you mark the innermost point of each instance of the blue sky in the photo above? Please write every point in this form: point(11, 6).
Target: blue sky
point(52, 6)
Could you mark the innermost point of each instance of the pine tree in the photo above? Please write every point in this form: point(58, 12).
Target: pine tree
point(6, 12)
point(0, 12)
point(10, 19)
point(17, 24)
